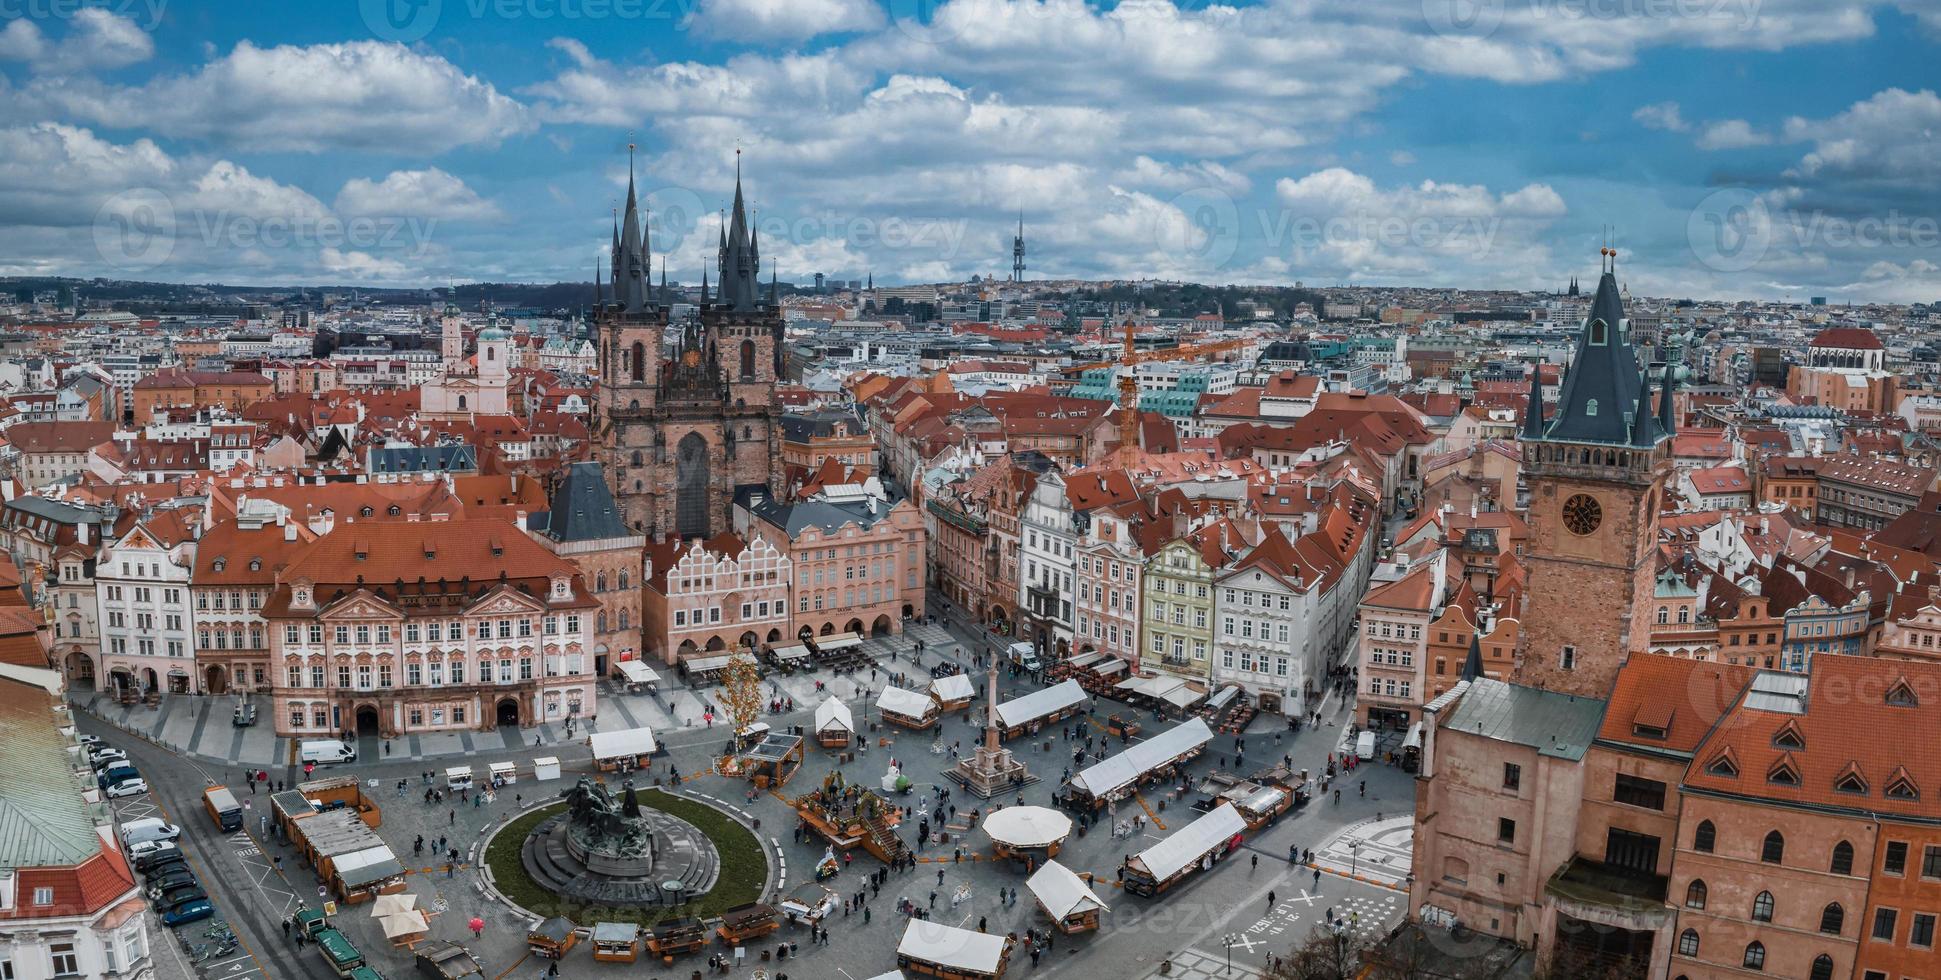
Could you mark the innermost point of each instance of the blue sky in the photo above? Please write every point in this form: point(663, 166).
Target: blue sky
point(1733, 148)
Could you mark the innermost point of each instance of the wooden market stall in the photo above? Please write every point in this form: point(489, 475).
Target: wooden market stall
point(1047, 706)
point(1117, 777)
point(616, 942)
point(639, 678)
point(1264, 805)
point(906, 708)
point(953, 692)
point(792, 658)
point(354, 862)
point(744, 923)
point(1029, 835)
point(622, 750)
point(552, 938)
point(769, 760)
point(676, 937)
point(951, 953)
point(849, 816)
point(1193, 847)
point(835, 727)
point(839, 651)
point(1066, 898)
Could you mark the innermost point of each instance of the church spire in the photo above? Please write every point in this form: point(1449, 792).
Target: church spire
point(740, 256)
point(630, 262)
point(704, 286)
point(1533, 415)
point(1643, 423)
point(597, 301)
point(1603, 381)
point(1667, 414)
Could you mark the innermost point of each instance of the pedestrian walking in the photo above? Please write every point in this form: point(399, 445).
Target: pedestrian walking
point(1363, 788)
point(940, 876)
point(453, 819)
point(286, 928)
point(1270, 901)
point(1256, 863)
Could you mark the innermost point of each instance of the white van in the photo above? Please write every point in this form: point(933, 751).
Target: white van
point(1365, 745)
point(325, 751)
point(458, 777)
point(148, 829)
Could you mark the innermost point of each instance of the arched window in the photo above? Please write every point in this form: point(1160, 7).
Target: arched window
point(1695, 894)
point(461, 401)
point(600, 582)
point(1684, 614)
point(1590, 406)
point(1597, 332)
point(1704, 837)
point(1762, 907)
point(639, 364)
point(600, 625)
point(491, 353)
point(1833, 918)
point(747, 358)
point(1842, 859)
point(1822, 968)
point(636, 457)
point(624, 580)
point(1688, 943)
point(1774, 849)
point(1755, 958)
point(1664, 615)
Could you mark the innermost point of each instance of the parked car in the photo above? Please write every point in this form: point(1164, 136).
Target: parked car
point(88, 741)
point(180, 896)
point(148, 828)
point(151, 862)
point(163, 864)
point(136, 850)
point(194, 911)
point(244, 716)
point(173, 876)
point(130, 786)
point(107, 757)
point(115, 774)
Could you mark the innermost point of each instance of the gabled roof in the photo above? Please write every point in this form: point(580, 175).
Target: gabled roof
point(582, 508)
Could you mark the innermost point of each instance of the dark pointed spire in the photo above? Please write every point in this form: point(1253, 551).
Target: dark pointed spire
point(1472, 667)
point(740, 256)
point(1603, 380)
point(1533, 414)
point(597, 301)
point(774, 288)
point(704, 286)
point(630, 263)
point(1643, 424)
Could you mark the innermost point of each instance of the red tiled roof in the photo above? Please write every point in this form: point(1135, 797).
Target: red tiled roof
point(1848, 338)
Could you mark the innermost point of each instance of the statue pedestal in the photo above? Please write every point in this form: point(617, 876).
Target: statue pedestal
point(991, 771)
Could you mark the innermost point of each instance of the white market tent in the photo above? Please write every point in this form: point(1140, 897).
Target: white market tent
point(909, 704)
point(637, 672)
point(793, 652)
point(1027, 826)
point(833, 715)
point(1111, 775)
point(838, 641)
point(623, 744)
point(1183, 697)
point(1040, 704)
point(1194, 841)
point(1084, 660)
point(952, 948)
point(953, 687)
point(1062, 892)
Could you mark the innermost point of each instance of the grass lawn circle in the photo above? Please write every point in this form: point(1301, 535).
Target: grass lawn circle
point(743, 875)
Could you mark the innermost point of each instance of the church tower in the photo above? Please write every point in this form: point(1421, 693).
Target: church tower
point(686, 430)
point(1596, 473)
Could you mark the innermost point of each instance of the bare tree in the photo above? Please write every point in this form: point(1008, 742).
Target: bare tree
point(742, 690)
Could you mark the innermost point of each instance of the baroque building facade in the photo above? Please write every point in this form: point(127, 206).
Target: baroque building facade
point(684, 422)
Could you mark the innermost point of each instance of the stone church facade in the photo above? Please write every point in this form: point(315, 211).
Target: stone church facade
point(686, 414)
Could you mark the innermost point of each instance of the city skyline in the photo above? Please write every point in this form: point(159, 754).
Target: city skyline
point(1452, 144)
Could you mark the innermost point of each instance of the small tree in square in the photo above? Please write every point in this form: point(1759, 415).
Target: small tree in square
point(742, 690)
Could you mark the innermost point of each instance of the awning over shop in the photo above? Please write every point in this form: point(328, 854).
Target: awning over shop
point(623, 744)
point(636, 672)
point(838, 641)
point(1414, 740)
point(795, 652)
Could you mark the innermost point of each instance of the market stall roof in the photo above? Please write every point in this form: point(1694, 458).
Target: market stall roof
point(1122, 770)
point(1414, 740)
point(1085, 659)
point(1172, 855)
point(624, 743)
point(555, 929)
point(1182, 697)
point(638, 673)
point(1225, 695)
point(910, 704)
point(793, 652)
point(615, 932)
point(951, 947)
point(1110, 668)
point(400, 924)
point(1061, 891)
point(385, 905)
point(1040, 703)
point(1027, 826)
point(833, 714)
point(838, 641)
point(953, 687)
point(773, 748)
point(702, 665)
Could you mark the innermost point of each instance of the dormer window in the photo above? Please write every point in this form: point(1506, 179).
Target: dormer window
point(1901, 787)
point(1783, 773)
point(1788, 737)
point(1590, 407)
point(256, 564)
point(219, 564)
point(1901, 695)
point(1597, 333)
point(1724, 765)
point(1850, 781)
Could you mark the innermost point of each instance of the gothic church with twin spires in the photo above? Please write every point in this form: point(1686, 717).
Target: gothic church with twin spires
point(687, 415)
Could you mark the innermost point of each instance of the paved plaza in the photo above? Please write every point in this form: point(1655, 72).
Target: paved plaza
point(1187, 923)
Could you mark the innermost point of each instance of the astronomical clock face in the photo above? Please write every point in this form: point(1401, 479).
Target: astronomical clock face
point(1582, 514)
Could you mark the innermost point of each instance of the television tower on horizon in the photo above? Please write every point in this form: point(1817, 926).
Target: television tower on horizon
point(1017, 251)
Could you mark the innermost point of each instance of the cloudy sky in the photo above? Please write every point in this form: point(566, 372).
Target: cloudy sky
point(1729, 148)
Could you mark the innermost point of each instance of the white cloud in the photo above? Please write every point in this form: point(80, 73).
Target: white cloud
point(784, 20)
point(97, 40)
point(1402, 158)
point(1893, 135)
point(360, 95)
point(1731, 134)
point(1340, 222)
point(1661, 115)
point(353, 264)
point(429, 193)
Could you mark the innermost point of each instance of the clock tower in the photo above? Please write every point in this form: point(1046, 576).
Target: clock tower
point(1597, 474)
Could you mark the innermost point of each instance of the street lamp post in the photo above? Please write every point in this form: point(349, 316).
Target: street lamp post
point(1354, 855)
point(1228, 940)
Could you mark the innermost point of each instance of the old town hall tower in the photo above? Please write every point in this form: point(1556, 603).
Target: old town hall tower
point(1596, 474)
point(687, 412)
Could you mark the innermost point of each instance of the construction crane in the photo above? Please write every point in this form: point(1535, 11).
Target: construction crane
point(1130, 357)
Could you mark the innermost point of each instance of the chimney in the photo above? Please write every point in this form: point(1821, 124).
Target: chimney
point(289, 530)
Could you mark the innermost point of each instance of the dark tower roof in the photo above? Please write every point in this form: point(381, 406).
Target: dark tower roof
point(740, 256)
point(630, 262)
point(1533, 415)
point(1667, 417)
point(1472, 666)
point(1603, 388)
point(582, 508)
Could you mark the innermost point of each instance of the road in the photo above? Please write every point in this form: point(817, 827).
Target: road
point(239, 877)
